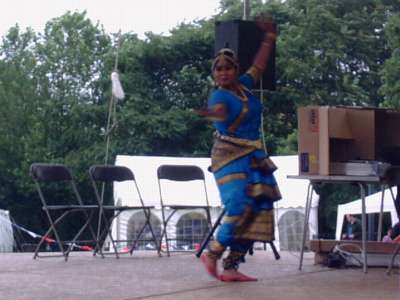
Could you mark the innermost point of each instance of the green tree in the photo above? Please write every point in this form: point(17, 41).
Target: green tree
point(164, 78)
point(391, 70)
point(17, 122)
point(55, 87)
point(52, 106)
point(334, 54)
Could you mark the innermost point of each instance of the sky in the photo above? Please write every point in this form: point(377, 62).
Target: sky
point(137, 16)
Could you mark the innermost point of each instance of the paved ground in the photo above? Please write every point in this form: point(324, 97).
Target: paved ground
point(181, 276)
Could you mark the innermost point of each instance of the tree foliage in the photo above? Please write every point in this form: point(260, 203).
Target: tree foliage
point(390, 72)
point(55, 87)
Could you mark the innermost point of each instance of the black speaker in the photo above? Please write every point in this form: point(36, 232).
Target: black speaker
point(244, 37)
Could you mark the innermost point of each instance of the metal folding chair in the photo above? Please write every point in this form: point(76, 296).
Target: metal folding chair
point(103, 175)
point(180, 173)
point(59, 205)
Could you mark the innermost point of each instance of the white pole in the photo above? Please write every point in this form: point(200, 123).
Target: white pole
point(246, 9)
point(111, 117)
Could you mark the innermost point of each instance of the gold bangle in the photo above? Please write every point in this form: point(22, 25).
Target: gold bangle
point(269, 37)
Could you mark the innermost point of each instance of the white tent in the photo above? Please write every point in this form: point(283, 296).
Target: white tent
point(6, 232)
point(145, 170)
point(289, 210)
point(372, 205)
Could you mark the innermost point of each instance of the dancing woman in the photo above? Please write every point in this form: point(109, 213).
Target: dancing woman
point(240, 164)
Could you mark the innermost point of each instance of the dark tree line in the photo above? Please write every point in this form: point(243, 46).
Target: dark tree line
point(55, 87)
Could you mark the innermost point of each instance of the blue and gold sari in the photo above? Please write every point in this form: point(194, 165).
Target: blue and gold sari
point(244, 174)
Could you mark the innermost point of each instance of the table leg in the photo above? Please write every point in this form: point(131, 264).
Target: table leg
point(397, 249)
point(364, 227)
point(379, 237)
point(394, 198)
point(395, 252)
point(306, 220)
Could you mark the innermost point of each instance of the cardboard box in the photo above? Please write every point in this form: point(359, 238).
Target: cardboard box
point(328, 135)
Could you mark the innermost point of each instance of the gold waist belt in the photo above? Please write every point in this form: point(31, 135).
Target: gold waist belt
point(241, 142)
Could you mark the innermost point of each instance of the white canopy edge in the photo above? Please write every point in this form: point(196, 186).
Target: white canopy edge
point(145, 169)
point(372, 205)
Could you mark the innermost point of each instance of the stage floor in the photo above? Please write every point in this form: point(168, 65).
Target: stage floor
point(144, 275)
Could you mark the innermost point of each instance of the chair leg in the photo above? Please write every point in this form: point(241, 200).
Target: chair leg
point(137, 238)
point(164, 232)
point(153, 234)
point(271, 243)
point(98, 235)
point(107, 232)
point(147, 213)
point(166, 237)
point(140, 234)
point(53, 229)
point(73, 241)
point(209, 218)
point(36, 254)
point(276, 254)
point(251, 249)
point(89, 217)
point(156, 242)
point(210, 234)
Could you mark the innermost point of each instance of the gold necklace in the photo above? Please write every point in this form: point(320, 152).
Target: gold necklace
point(238, 92)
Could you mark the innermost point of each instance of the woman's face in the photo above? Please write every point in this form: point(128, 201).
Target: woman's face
point(225, 74)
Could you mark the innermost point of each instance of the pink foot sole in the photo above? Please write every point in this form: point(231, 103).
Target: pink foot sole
point(232, 276)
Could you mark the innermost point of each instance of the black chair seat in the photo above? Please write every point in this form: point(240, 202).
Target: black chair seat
point(64, 207)
point(186, 206)
point(113, 207)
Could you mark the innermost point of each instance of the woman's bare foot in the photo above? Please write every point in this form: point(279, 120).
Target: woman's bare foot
point(234, 275)
point(210, 264)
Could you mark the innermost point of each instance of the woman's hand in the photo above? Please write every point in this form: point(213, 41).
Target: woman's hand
point(266, 46)
point(268, 26)
point(218, 113)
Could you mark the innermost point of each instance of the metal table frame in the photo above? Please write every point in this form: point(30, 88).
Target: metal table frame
point(362, 182)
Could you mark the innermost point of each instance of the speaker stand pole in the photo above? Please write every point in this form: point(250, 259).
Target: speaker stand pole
point(246, 9)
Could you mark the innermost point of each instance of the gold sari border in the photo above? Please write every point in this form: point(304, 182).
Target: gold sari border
point(231, 177)
point(240, 142)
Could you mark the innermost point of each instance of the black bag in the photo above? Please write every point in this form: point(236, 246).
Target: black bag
point(335, 259)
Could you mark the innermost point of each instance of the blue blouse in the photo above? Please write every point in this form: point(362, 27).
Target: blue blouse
point(249, 128)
